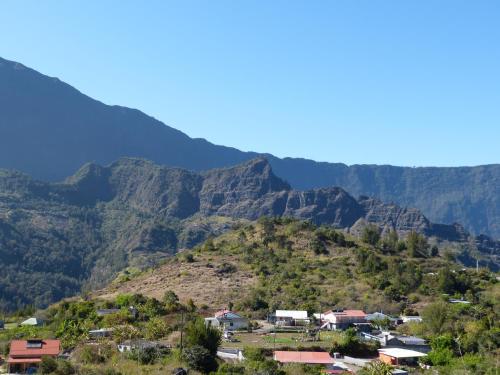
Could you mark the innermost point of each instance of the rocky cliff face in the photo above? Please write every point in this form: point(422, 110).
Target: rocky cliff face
point(132, 212)
point(48, 129)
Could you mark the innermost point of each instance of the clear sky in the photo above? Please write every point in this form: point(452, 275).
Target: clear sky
point(386, 82)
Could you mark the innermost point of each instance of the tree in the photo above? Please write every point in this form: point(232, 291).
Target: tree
point(417, 245)
point(390, 242)
point(381, 323)
point(156, 328)
point(371, 234)
point(199, 334)
point(434, 251)
point(48, 365)
point(435, 316)
point(376, 368)
point(318, 246)
point(171, 301)
point(200, 359)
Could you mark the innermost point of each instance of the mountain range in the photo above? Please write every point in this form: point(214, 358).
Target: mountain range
point(48, 129)
point(56, 238)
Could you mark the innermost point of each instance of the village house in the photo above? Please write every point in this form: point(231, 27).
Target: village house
point(227, 320)
point(398, 356)
point(289, 318)
point(342, 319)
point(410, 319)
point(392, 340)
point(25, 355)
point(308, 358)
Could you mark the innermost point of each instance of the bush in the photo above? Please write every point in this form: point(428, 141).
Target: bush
point(65, 368)
point(199, 358)
point(90, 355)
point(230, 369)
point(417, 245)
point(48, 365)
point(156, 328)
point(145, 356)
point(371, 234)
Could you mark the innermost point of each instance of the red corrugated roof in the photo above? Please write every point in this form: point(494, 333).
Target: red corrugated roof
point(303, 357)
point(24, 360)
point(353, 313)
point(18, 348)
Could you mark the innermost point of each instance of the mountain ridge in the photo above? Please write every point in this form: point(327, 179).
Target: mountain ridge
point(48, 129)
point(56, 238)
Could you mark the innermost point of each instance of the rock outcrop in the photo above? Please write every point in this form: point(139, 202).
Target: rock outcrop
point(133, 212)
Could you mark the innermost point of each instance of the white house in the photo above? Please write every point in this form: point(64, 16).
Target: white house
point(408, 319)
point(398, 356)
point(227, 320)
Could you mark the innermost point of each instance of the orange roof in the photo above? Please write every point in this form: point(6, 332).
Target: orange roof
point(24, 360)
point(353, 313)
point(303, 357)
point(221, 313)
point(19, 348)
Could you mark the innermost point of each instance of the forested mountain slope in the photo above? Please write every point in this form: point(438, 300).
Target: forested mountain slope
point(48, 129)
point(57, 237)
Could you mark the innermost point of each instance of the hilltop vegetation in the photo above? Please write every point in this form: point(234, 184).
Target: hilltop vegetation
point(291, 264)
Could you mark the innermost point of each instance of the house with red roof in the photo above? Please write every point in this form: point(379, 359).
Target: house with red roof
point(308, 358)
point(25, 355)
point(343, 319)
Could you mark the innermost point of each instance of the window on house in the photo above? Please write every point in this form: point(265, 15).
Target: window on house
point(34, 344)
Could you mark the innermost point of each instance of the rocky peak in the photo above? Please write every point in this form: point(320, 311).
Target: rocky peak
point(231, 187)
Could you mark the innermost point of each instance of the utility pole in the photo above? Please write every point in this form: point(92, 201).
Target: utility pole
point(182, 329)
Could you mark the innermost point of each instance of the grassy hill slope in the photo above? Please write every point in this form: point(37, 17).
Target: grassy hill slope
point(291, 264)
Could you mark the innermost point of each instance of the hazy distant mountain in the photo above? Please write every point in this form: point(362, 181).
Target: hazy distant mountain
point(56, 237)
point(48, 129)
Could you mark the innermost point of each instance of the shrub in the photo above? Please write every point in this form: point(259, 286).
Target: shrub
point(199, 358)
point(48, 365)
point(371, 234)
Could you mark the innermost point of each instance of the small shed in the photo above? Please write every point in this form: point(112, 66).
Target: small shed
point(32, 322)
point(99, 333)
point(290, 318)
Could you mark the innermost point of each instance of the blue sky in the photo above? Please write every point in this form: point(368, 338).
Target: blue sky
point(380, 82)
